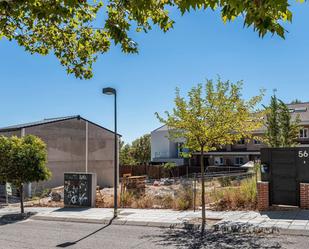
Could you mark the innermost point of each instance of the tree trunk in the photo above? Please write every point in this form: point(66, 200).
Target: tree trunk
point(21, 193)
point(203, 190)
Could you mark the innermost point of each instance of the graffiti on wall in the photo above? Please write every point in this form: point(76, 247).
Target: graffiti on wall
point(77, 189)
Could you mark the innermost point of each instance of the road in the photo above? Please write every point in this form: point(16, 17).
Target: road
point(32, 234)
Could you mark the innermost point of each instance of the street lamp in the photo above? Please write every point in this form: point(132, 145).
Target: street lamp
point(112, 91)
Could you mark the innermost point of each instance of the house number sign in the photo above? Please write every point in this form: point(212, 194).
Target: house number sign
point(303, 154)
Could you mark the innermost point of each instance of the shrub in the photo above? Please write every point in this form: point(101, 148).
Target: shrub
point(234, 198)
point(183, 199)
point(126, 199)
point(145, 201)
point(225, 181)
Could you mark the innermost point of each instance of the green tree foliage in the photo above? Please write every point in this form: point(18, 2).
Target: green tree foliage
point(76, 31)
point(282, 130)
point(213, 116)
point(141, 149)
point(5, 150)
point(272, 123)
point(139, 152)
point(125, 156)
point(24, 161)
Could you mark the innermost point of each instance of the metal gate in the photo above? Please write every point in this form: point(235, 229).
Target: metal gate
point(287, 168)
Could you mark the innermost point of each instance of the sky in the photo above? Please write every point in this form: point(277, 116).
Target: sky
point(200, 47)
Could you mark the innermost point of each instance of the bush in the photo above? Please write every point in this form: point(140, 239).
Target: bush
point(126, 199)
point(145, 201)
point(235, 198)
point(183, 199)
point(225, 181)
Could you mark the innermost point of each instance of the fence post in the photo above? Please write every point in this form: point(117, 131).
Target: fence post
point(194, 192)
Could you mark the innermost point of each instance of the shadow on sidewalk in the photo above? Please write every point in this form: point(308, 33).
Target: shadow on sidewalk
point(69, 209)
point(192, 239)
point(15, 217)
point(67, 244)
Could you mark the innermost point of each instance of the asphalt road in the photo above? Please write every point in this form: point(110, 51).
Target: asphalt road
point(44, 235)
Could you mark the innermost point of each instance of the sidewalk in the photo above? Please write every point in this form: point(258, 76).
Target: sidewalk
point(286, 222)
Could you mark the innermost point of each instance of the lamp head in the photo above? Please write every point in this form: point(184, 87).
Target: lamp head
point(109, 91)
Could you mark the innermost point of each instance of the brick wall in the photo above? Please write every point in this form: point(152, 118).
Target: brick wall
point(263, 196)
point(304, 195)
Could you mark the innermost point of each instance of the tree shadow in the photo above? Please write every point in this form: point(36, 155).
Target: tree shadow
point(67, 244)
point(13, 218)
point(212, 239)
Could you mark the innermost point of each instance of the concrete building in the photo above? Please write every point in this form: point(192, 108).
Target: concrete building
point(74, 144)
point(165, 150)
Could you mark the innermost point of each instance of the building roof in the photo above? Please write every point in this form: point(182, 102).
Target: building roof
point(301, 110)
point(48, 121)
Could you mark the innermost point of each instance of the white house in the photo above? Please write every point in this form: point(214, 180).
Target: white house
point(163, 149)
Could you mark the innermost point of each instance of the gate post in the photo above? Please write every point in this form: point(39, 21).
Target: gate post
point(304, 195)
point(263, 196)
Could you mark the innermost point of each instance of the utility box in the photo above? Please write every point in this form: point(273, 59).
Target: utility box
point(80, 189)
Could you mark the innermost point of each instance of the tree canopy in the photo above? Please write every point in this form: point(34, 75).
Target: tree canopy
point(77, 31)
point(282, 130)
point(211, 117)
point(136, 153)
point(23, 160)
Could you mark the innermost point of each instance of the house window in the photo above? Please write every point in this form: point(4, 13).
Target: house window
point(241, 141)
point(256, 141)
point(219, 161)
point(239, 160)
point(303, 133)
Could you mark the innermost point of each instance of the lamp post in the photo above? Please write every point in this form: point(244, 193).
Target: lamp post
point(112, 91)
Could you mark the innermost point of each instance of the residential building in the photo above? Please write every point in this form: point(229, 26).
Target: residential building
point(74, 144)
point(164, 149)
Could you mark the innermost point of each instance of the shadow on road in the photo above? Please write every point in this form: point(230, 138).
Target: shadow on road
point(67, 244)
point(13, 218)
point(192, 239)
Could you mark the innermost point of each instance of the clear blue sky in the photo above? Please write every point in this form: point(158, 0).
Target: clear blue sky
point(200, 46)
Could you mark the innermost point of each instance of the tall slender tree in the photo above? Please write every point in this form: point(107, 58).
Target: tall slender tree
point(282, 130)
point(272, 122)
point(289, 129)
point(213, 116)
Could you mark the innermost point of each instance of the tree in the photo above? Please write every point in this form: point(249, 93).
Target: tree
point(282, 131)
point(72, 31)
point(212, 117)
point(169, 166)
point(5, 149)
point(126, 155)
point(141, 149)
point(289, 128)
point(26, 162)
point(272, 123)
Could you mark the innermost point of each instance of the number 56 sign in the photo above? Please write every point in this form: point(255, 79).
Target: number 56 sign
point(303, 153)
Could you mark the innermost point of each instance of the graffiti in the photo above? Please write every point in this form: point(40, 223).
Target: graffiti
point(77, 189)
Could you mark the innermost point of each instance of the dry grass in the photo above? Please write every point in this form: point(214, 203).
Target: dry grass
point(236, 198)
point(181, 199)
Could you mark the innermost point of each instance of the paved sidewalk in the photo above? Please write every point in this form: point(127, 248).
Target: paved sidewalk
point(290, 222)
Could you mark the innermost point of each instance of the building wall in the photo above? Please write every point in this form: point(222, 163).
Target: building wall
point(66, 147)
point(101, 154)
point(163, 149)
point(11, 133)
point(160, 144)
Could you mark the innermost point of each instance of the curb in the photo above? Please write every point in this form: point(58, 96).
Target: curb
point(118, 222)
point(296, 232)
